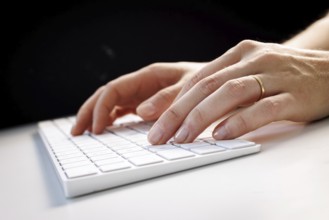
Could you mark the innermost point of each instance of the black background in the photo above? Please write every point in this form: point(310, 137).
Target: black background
point(54, 54)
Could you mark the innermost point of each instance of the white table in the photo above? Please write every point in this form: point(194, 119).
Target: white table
point(288, 179)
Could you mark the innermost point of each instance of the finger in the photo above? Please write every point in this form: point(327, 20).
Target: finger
point(226, 99)
point(265, 56)
point(173, 117)
point(119, 112)
point(267, 110)
point(129, 90)
point(114, 91)
point(153, 107)
point(84, 115)
point(229, 58)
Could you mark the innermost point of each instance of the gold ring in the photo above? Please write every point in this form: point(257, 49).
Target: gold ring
point(261, 86)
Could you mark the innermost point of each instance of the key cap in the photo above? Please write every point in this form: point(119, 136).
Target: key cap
point(156, 148)
point(81, 171)
point(136, 154)
point(115, 166)
point(103, 157)
point(207, 149)
point(76, 164)
point(69, 156)
point(175, 154)
point(73, 160)
point(109, 161)
point(188, 146)
point(129, 150)
point(234, 144)
point(145, 160)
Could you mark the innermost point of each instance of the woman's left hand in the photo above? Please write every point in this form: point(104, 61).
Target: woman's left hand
point(273, 82)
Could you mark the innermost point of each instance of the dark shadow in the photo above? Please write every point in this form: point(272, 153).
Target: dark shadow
point(57, 53)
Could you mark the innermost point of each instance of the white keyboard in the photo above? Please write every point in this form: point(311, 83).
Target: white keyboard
point(122, 154)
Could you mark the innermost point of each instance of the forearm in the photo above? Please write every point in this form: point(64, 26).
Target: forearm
point(315, 36)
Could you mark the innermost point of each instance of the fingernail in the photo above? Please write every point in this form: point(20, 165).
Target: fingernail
point(181, 134)
point(220, 133)
point(146, 109)
point(73, 130)
point(155, 134)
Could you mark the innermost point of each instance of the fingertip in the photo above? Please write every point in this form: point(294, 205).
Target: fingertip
point(96, 129)
point(220, 133)
point(73, 131)
point(156, 134)
point(76, 130)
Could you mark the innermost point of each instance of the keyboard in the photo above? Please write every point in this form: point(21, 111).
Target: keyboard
point(122, 155)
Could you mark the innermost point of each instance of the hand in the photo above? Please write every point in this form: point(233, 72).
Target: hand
point(296, 83)
point(148, 91)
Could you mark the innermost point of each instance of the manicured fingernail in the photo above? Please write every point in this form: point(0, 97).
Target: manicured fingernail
point(146, 109)
point(155, 134)
point(220, 133)
point(181, 134)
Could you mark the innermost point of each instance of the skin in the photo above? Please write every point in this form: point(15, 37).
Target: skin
point(184, 98)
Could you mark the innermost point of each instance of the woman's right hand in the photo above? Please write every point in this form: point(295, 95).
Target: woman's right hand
point(148, 92)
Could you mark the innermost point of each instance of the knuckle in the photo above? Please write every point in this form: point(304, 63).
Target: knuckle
point(150, 69)
point(235, 88)
point(208, 85)
point(247, 45)
point(100, 88)
point(153, 66)
point(109, 87)
point(174, 114)
point(196, 121)
point(268, 55)
point(195, 79)
point(97, 92)
point(240, 125)
point(192, 82)
point(166, 95)
point(271, 108)
point(108, 83)
point(198, 115)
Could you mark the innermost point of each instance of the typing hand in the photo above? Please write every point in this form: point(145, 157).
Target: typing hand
point(148, 91)
point(278, 83)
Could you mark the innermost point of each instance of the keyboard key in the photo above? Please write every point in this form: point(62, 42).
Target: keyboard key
point(129, 150)
point(175, 154)
point(68, 156)
point(115, 166)
point(73, 160)
point(207, 149)
point(234, 144)
point(156, 148)
point(136, 154)
point(145, 160)
point(188, 146)
point(76, 164)
point(103, 157)
point(109, 161)
point(81, 171)
point(67, 152)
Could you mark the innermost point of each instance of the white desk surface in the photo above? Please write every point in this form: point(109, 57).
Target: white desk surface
point(288, 179)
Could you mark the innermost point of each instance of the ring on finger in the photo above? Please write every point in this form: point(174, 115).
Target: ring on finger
point(261, 86)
